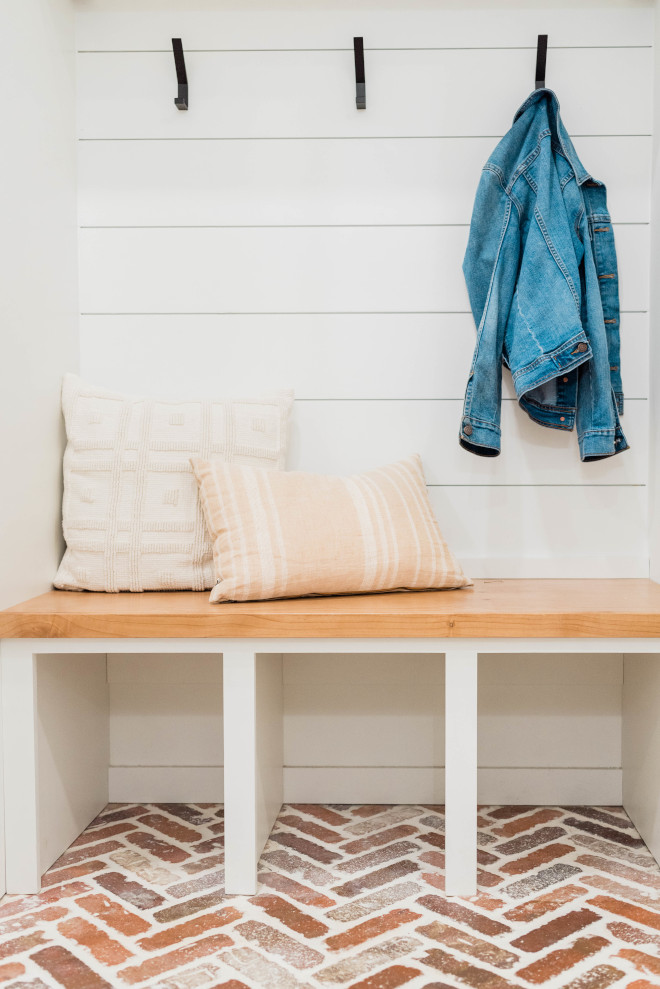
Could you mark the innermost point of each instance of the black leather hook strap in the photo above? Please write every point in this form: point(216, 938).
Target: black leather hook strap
point(541, 54)
point(360, 88)
point(180, 101)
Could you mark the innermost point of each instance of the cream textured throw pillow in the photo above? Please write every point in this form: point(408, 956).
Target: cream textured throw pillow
point(282, 534)
point(131, 513)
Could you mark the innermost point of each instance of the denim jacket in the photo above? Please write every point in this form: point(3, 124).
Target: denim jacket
point(541, 274)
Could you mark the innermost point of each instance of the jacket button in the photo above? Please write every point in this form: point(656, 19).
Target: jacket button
point(467, 429)
point(582, 347)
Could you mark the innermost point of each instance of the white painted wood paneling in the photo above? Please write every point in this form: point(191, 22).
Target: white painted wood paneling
point(259, 94)
point(274, 237)
point(641, 746)
point(138, 25)
point(190, 183)
point(297, 269)
point(247, 354)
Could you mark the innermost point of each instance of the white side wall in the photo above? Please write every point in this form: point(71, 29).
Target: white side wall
point(38, 284)
point(274, 236)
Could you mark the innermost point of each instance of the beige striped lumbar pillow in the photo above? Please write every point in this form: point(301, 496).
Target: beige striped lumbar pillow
point(278, 534)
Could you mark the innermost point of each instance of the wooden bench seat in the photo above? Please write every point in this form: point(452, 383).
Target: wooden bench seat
point(492, 608)
point(61, 639)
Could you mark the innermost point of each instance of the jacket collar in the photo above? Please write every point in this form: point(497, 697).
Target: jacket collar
point(565, 143)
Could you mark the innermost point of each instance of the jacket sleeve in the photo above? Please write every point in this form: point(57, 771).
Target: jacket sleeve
point(490, 267)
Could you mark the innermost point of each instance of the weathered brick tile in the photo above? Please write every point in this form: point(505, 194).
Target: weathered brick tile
point(210, 845)
point(633, 935)
point(527, 822)
point(21, 904)
point(13, 925)
point(388, 978)
point(209, 881)
point(434, 858)
point(545, 903)
point(371, 928)
point(394, 815)
point(368, 810)
point(134, 893)
point(142, 867)
point(592, 827)
point(87, 837)
point(77, 855)
point(303, 894)
point(378, 878)
point(196, 905)
point(101, 946)
point(193, 814)
point(486, 858)
point(74, 872)
point(646, 899)
point(541, 880)
point(541, 856)
point(525, 842)
point(484, 901)
point(555, 930)
point(378, 857)
point(120, 814)
point(68, 970)
point(504, 813)
point(366, 961)
point(13, 970)
point(562, 959)
point(155, 846)
point(232, 984)
point(261, 971)
point(620, 820)
point(639, 857)
point(203, 864)
point(113, 914)
point(317, 831)
point(641, 984)
point(172, 829)
point(20, 944)
point(174, 959)
point(434, 838)
point(614, 868)
point(294, 865)
point(596, 978)
point(434, 879)
point(191, 928)
point(290, 915)
point(463, 915)
point(456, 940)
point(365, 905)
point(631, 912)
point(306, 847)
point(374, 840)
point(326, 814)
point(644, 963)
point(465, 972)
point(277, 943)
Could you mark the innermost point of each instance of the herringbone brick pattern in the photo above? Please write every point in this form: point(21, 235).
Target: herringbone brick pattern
point(351, 897)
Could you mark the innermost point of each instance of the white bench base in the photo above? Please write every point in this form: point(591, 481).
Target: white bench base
point(252, 690)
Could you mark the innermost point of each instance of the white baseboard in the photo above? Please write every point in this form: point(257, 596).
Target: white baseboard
point(341, 785)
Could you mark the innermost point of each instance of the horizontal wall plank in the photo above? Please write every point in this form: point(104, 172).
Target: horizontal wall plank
point(348, 437)
point(296, 269)
point(364, 356)
point(306, 94)
point(165, 784)
point(170, 668)
point(107, 25)
point(415, 786)
point(391, 180)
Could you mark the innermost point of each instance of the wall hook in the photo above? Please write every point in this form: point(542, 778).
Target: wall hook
point(541, 52)
point(180, 101)
point(360, 90)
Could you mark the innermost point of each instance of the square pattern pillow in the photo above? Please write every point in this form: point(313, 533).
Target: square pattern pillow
point(291, 534)
point(131, 514)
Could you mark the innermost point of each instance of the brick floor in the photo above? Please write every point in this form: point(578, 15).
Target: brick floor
point(350, 897)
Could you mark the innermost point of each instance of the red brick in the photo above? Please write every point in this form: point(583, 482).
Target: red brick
point(377, 878)
point(27, 920)
point(101, 946)
point(274, 942)
point(467, 944)
point(596, 978)
point(77, 855)
point(160, 849)
point(74, 872)
point(290, 916)
point(134, 893)
point(448, 908)
point(525, 823)
point(188, 907)
point(326, 814)
point(114, 915)
point(175, 959)
point(170, 828)
point(374, 840)
point(13, 970)
point(611, 834)
point(19, 944)
point(389, 978)
point(615, 868)
point(555, 930)
point(303, 894)
point(561, 960)
point(68, 970)
point(88, 837)
point(305, 847)
point(465, 972)
point(541, 856)
point(525, 842)
point(643, 963)
point(310, 827)
point(191, 928)
point(637, 914)
point(371, 928)
point(545, 903)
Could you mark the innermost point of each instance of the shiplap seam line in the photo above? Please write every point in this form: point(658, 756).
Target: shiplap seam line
point(296, 226)
point(425, 48)
point(331, 312)
point(349, 137)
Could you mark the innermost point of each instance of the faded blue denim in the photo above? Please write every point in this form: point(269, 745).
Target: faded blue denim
point(541, 274)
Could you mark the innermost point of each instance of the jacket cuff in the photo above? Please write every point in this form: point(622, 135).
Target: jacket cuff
point(600, 443)
point(480, 437)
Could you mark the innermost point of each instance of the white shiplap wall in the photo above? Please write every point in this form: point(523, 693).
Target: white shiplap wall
point(274, 236)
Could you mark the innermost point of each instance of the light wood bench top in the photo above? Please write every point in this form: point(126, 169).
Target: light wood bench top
point(492, 608)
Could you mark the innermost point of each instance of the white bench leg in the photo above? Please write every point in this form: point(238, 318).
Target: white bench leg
point(461, 773)
point(19, 716)
point(252, 701)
